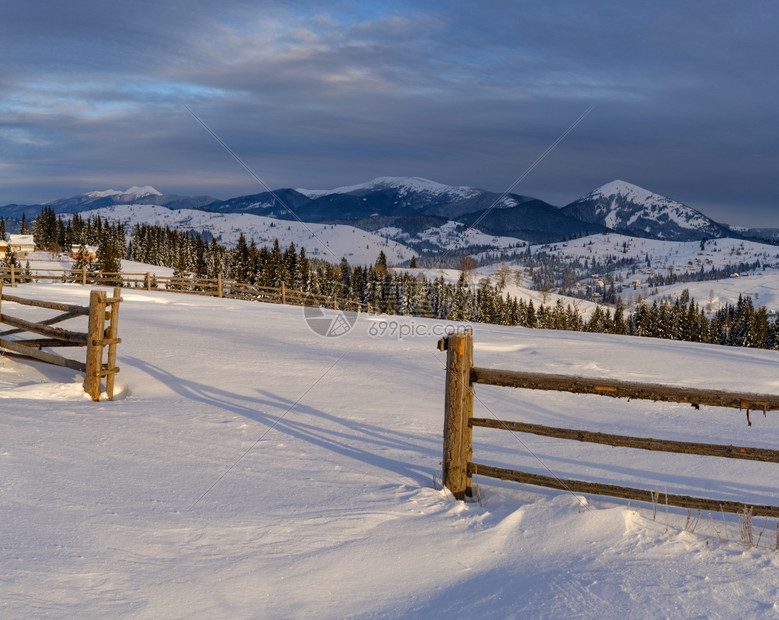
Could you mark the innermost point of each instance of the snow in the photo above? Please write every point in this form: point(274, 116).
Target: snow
point(135, 190)
point(711, 296)
point(251, 468)
point(404, 184)
point(631, 192)
point(329, 241)
point(623, 204)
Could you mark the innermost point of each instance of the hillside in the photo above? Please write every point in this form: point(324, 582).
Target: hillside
point(251, 468)
point(331, 242)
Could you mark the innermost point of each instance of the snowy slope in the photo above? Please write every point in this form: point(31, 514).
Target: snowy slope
point(630, 209)
point(763, 289)
point(664, 255)
point(331, 242)
point(403, 185)
point(133, 192)
point(455, 236)
point(251, 468)
point(645, 258)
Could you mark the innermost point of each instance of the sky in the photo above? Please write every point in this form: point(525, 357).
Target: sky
point(678, 98)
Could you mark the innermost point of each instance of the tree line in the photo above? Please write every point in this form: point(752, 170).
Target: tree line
point(397, 292)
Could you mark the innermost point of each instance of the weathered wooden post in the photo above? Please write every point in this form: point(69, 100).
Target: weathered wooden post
point(111, 340)
point(283, 293)
point(13, 275)
point(219, 285)
point(458, 409)
point(147, 281)
point(83, 275)
point(99, 336)
point(95, 336)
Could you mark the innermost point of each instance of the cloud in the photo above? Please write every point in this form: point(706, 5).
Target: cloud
point(465, 93)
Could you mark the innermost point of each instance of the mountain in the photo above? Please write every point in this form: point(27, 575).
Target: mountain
point(533, 220)
point(410, 205)
point(426, 215)
point(276, 204)
point(771, 235)
point(414, 195)
point(106, 198)
point(632, 210)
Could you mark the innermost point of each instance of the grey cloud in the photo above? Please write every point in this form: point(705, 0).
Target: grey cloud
point(469, 94)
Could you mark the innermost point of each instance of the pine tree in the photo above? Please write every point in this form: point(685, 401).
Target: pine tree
point(107, 260)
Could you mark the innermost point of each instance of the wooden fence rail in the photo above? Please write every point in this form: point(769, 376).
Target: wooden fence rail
point(102, 330)
point(213, 287)
point(459, 467)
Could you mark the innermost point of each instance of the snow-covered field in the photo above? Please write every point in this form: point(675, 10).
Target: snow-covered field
point(252, 469)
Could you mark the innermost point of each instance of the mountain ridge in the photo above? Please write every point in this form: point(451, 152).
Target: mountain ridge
point(411, 202)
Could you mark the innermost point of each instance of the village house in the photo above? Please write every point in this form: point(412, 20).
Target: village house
point(21, 244)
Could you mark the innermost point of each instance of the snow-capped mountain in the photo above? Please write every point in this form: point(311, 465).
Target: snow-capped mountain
point(409, 204)
point(404, 185)
point(382, 196)
point(136, 194)
point(418, 212)
point(632, 210)
point(133, 192)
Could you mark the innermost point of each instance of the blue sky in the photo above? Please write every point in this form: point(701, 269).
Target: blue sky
point(685, 97)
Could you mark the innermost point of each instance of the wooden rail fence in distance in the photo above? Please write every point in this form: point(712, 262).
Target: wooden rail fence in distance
point(459, 467)
point(102, 330)
point(212, 287)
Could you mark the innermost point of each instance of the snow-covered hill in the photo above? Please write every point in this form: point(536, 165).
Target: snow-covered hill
point(660, 256)
point(630, 209)
point(331, 242)
point(275, 474)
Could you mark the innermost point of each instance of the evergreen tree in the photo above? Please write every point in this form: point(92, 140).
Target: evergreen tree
point(107, 259)
point(44, 230)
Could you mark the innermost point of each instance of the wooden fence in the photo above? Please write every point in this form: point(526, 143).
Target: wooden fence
point(213, 287)
point(101, 334)
point(459, 466)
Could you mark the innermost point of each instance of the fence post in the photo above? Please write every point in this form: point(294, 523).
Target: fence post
point(283, 293)
point(13, 275)
point(83, 275)
point(458, 409)
point(219, 285)
point(111, 333)
point(95, 336)
point(148, 281)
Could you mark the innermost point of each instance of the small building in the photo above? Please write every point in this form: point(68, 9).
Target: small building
point(21, 244)
point(90, 252)
point(3, 248)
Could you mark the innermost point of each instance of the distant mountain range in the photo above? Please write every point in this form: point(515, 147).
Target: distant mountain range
point(414, 211)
